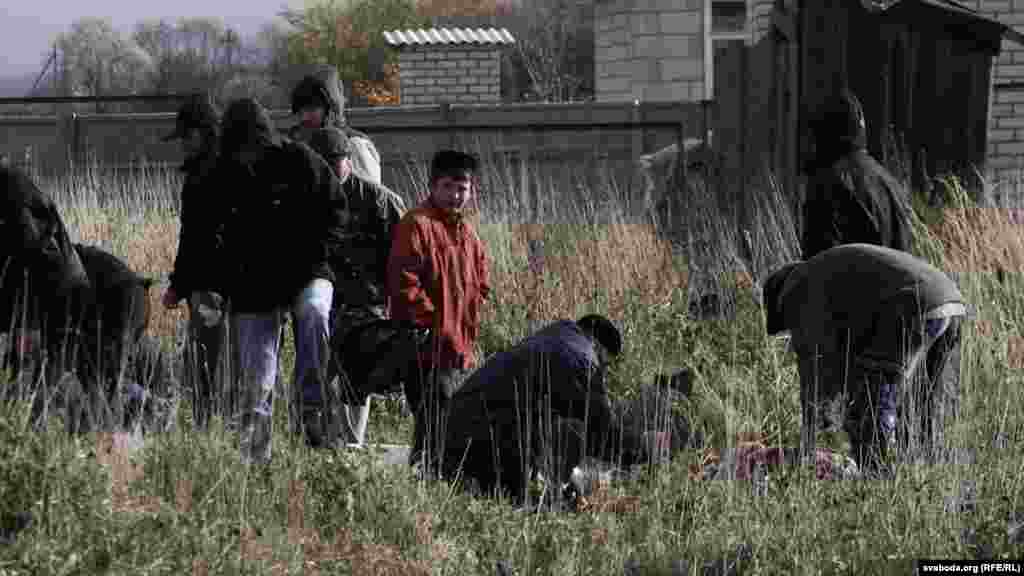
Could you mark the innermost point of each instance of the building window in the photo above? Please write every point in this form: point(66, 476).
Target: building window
point(724, 21)
point(728, 17)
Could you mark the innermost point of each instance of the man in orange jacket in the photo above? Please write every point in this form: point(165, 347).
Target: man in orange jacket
point(437, 277)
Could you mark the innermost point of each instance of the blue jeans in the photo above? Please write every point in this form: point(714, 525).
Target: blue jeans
point(258, 345)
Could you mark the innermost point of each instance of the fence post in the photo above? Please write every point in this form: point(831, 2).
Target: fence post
point(446, 119)
point(638, 135)
point(76, 138)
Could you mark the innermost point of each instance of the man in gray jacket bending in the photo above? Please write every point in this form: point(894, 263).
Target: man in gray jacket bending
point(872, 322)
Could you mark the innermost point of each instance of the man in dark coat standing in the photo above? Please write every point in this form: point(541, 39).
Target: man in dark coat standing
point(874, 323)
point(548, 392)
point(286, 220)
point(197, 129)
point(851, 198)
point(362, 298)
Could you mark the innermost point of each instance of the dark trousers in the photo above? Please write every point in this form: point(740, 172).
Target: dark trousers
point(428, 394)
point(495, 449)
point(905, 409)
point(209, 338)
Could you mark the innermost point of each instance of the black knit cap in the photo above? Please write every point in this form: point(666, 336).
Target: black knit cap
point(197, 112)
point(452, 163)
point(606, 334)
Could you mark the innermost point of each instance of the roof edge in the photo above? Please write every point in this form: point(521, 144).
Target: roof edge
point(449, 36)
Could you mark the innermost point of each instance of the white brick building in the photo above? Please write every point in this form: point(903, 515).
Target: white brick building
point(663, 50)
point(460, 66)
point(1006, 124)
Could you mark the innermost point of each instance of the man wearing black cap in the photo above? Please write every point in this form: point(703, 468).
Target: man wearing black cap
point(547, 392)
point(869, 321)
point(197, 130)
point(851, 198)
point(360, 299)
point(286, 219)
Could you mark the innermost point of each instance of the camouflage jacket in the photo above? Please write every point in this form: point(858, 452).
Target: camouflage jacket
point(374, 211)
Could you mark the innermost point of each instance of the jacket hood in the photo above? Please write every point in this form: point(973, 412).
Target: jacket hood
point(323, 85)
point(246, 123)
point(839, 129)
point(773, 295)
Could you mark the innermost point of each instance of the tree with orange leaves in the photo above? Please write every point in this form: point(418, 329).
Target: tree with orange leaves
point(345, 34)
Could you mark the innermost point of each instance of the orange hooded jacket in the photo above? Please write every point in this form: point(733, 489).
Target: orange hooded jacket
point(437, 276)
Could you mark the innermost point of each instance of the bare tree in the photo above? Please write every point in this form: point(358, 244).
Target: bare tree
point(193, 54)
point(554, 44)
point(98, 61)
point(271, 51)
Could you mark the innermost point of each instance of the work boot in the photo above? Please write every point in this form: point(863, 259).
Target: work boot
point(316, 427)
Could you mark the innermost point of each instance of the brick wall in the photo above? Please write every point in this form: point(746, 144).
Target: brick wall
point(649, 50)
point(454, 73)
point(1006, 125)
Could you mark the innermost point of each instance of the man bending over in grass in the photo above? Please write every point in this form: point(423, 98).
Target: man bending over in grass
point(548, 392)
point(438, 279)
point(869, 321)
point(286, 219)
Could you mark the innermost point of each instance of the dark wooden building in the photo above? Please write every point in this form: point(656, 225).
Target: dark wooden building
point(921, 68)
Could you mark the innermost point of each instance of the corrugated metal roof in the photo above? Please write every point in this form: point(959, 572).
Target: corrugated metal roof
point(449, 36)
point(1008, 31)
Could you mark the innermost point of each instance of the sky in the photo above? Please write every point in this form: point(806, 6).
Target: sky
point(29, 27)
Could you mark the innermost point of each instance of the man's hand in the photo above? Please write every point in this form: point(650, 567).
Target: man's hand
point(171, 299)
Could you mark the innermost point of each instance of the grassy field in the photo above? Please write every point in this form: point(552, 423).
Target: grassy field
point(183, 504)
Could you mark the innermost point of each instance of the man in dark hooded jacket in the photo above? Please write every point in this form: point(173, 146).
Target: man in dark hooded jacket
point(285, 225)
point(42, 279)
point(320, 103)
point(850, 196)
point(552, 379)
point(197, 129)
point(869, 321)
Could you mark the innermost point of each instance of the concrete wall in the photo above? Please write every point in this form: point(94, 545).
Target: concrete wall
point(1006, 125)
point(760, 18)
point(649, 50)
point(455, 73)
point(540, 147)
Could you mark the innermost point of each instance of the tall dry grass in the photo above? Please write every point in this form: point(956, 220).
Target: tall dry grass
point(184, 504)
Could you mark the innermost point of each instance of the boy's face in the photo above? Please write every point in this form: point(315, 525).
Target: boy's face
point(312, 116)
point(451, 193)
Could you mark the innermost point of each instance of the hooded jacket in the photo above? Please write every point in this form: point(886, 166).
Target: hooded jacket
point(556, 367)
point(375, 213)
point(324, 86)
point(437, 277)
point(847, 289)
point(41, 274)
point(850, 196)
point(285, 214)
point(198, 240)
